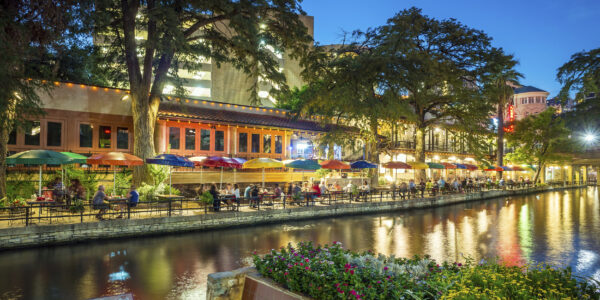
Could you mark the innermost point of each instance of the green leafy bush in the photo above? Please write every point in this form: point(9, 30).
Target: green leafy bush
point(206, 198)
point(149, 192)
point(330, 272)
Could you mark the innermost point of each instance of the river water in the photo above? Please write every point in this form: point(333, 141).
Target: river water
point(561, 228)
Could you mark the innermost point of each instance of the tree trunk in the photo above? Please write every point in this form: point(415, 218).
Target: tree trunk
point(144, 109)
point(374, 150)
point(537, 173)
point(4, 133)
point(500, 140)
point(330, 152)
point(420, 152)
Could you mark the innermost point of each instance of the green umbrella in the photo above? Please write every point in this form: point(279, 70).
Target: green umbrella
point(302, 164)
point(433, 165)
point(75, 158)
point(38, 157)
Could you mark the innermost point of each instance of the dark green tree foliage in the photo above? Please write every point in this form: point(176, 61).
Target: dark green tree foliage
point(434, 68)
point(178, 34)
point(31, 36)
point(497, 89)
point(538, 140)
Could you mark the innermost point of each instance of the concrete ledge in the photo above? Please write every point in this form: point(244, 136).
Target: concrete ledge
point(34, 236)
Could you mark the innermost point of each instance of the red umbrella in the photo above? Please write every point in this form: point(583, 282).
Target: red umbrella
point(335, 164)
point(448, 165)
point(493, 169)
point(115, 159)
point(396, 165)
point(470, 167)
point(517, 168)
point(216, 162)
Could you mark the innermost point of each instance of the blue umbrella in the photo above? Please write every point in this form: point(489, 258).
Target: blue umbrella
point(460, 166)
point(170, 160)
point(361, 164)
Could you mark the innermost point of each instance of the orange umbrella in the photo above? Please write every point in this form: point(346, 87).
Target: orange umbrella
point(448, 165)
point(335, 164)
point(396, 165)
point(115, 159)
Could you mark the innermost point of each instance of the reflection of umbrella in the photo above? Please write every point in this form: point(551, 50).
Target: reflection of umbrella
point(170, 160)
point(38, 157)
point(396, 165)
point(334, 164)
point(115, 159)
point(418, 165)
point(362, 164)
point(263, 163)
point(302, 164)
point(433, 165)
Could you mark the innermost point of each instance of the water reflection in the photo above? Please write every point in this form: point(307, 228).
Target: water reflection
point(558, 227)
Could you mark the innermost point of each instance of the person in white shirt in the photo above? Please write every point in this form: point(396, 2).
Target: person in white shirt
point(236, 191)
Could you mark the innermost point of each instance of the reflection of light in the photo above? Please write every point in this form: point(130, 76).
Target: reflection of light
point(585, 260)
point(119, 276)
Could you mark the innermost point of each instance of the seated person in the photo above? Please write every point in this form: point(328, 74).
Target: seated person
point(76, 190)
point(133, 197)
point(98, 202)
point(403, 190)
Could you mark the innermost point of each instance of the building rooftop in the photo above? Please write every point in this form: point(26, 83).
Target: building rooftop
point(176, 110)
point(528, 89)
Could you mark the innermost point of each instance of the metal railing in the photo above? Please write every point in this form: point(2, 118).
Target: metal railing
point(60, 213)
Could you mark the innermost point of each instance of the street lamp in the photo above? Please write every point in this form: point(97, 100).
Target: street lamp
point(589, 138)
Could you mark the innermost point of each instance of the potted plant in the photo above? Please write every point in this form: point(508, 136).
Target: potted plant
point(77, 207)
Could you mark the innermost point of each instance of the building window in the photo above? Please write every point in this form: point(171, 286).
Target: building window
point(205, 139)
point(190, 139)
point(530, 99)
point(122, 138)
point(243, 142)
point(32, 133)
point(267, 143)
point(278, 144)
point(53, 134)
point(85, 135)
point(104, 137)
point(255, 147)
point(219, 140)
point(174, 136)
point(523, 100)
point(12, 137)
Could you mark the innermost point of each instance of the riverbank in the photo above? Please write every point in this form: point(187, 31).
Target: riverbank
point(35, 236)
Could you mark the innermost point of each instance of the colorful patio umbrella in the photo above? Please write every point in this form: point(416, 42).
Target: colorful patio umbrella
point(505, 168)
point(532, 168)
point(471, 167)
point(38, 157)
point(490, 168)
point(462, 166)
point(302, 164)
point(241, 162)
point(433, 165)
point(199, 162)
point(221, 162)
point(334, 164)
point(170, 160)
point(263, 163)
point(449, 165)
point(418, 165)
point(517, 168)
point(362, 164)
point(396, 165)
point(76, 158)
point(115, 159)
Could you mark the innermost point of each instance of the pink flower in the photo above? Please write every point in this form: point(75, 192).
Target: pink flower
point(385, 268)
point(307, 268)
point(285, 274)
point(351, 272)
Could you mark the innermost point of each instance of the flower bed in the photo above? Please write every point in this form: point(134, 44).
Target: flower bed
point(331, 272)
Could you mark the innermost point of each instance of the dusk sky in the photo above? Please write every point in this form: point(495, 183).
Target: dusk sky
point(541, 34)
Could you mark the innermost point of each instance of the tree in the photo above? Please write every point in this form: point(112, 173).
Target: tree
point(30, 34)
point(434, 69)
point(497, 89)
point(343, 85)
point(153, 40)
point(539, 139)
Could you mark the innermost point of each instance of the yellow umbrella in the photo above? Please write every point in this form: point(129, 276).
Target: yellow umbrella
point(262, 163)
point(418, 165)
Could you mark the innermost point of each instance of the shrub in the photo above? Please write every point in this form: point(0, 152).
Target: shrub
point(329, 272)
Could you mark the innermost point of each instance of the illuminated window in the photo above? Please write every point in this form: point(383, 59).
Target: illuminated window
point(32, 133)
point(53, 134)
point(278, 144)
point(85, 135)
point(198, 91)
point(205, 139)
point(104, 137)
point(122, 138)
point(255, 147)
point(202, 75)
point(243, 142)
point(174, 137)
point(219, 140)
point(263, 94)
point(267, 143)
point(190, 139)
point(168, 89)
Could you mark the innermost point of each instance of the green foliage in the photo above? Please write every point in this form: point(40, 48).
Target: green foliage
point(321, 173)
point(206, 198)
point(77, 206)
point(580, 74)
point(539, 139)
point(331, 272)
point(89, 180)
point(20, 185)
point(159, 173)
point(149, 192)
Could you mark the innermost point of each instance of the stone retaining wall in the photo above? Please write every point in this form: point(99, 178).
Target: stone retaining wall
point(34, 236)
